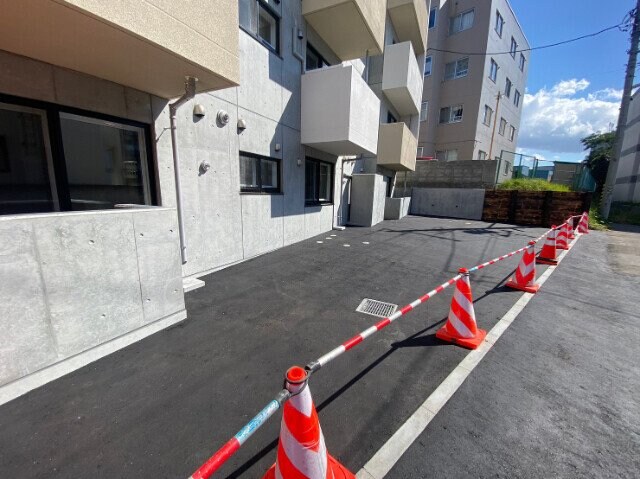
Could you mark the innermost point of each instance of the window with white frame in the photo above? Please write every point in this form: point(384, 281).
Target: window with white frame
point(433, 13)
point(482, 155)
point(512, 133)
point(428, 65)
point(522, 62)
point(258, 19)
point(516, 98)
point(493, 72)
point(488, 114)
point(457, 69)
point(424, 110)
point(461, 22)
point(503, 126)
point(499, 23)
point(447, 155)
point(507, 88)
point(451, 114)
point(514, 47)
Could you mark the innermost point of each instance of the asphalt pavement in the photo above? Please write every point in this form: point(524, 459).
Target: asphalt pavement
point(160, 407)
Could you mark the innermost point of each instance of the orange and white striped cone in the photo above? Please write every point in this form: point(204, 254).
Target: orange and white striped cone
point(549, 253)
point(571, 230)
point(302, 453)
point(524, 278)
point(461, 327)
point(583, 226)
point(562, 237)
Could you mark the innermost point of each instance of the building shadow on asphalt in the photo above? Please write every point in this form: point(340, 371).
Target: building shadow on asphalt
point(418, 339)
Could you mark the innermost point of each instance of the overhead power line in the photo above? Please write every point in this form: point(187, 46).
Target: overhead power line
point(622, 26)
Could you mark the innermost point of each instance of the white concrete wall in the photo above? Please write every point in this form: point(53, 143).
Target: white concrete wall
point(627, 185)
point(368, 192)
point(402, 78)
point(449, 202)
point(73, 281)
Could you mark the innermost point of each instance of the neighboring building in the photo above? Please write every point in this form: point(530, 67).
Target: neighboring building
point(627, 185)
point(296, 104)
point(460, 110)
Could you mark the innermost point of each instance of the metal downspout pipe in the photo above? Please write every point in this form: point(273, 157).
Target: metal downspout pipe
point(189, 93)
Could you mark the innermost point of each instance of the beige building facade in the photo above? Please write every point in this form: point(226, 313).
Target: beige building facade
point(474, 56)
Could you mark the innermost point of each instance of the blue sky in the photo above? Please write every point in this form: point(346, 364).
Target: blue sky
point(574, 89)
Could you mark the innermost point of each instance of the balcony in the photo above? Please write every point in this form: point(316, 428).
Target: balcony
point(397, 147)
point(409, 18)
point(150, 45)
point(340, 113)
point(351, 28)
point(402, 78)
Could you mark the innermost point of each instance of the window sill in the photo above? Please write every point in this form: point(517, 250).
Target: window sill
point(318, 203)
point(262, 193)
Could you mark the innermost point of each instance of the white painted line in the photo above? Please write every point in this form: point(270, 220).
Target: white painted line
point(383, 461)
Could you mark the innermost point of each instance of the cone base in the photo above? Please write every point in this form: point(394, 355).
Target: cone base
point(337, 469)
point(527, 289)
point(469, 343)
point(562, 247)
point(552, 262)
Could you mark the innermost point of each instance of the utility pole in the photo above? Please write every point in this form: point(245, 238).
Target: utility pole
point(495, 120)
point(607, 191)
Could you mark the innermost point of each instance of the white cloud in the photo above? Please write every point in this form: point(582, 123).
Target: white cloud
point(555, 120)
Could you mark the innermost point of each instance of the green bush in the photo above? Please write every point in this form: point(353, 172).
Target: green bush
point(532, 184)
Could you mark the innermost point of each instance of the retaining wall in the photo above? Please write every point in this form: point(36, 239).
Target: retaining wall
point(540, 208)
point(464, 203)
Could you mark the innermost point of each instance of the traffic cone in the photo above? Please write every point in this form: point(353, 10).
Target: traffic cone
point(548, 254)
point(302, 453)
point(583, 226)
point(570, 232)
point(525, 277)
point(461, 328)
point(561, 238)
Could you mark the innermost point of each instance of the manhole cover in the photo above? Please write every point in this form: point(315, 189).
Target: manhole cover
point(376, 308)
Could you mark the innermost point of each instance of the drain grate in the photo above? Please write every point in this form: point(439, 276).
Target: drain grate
point(376, 308)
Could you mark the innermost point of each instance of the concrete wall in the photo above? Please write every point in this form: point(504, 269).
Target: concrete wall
point(396, 208)
point(368, 192)
point(627, 185)
point(454, 174)
point(449, 202)
point(71, 282)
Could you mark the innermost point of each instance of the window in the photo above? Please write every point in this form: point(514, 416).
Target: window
point(391, 118)
point(482, 155)
point(512, 133)
point(457, 69)
point(98, 161)
point(451, 114)
point(516, 98)
point(259, 174)
point(314, 60)
point(447, 155)
point(424, 110)
point(507, 88)
point(461, 22)
point(522, 62)
point(260, 21)
point(493, 73)
point(428, 63)
point(499, 23)
point(514, 47)
point(318, 182)
point(503, 126)
point(488, 113)
point(433, 13)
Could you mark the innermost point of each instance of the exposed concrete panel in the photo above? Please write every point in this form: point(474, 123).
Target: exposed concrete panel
point(402, 78)
point(451, 202)
point(368, 193)
point(261, 223)
point(293, 185)
point(90, 269)
point(26, 343)
point(317, 220)
point(396, 208)
point(157, 245)
point(22, 76)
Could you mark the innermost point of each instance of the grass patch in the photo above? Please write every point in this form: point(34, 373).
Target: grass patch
point(532, 184)
point(626, 213)
point(595, 220)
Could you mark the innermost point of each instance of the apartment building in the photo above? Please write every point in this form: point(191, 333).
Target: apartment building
point(144, 145)
point(474, 80)
point(627, 184)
